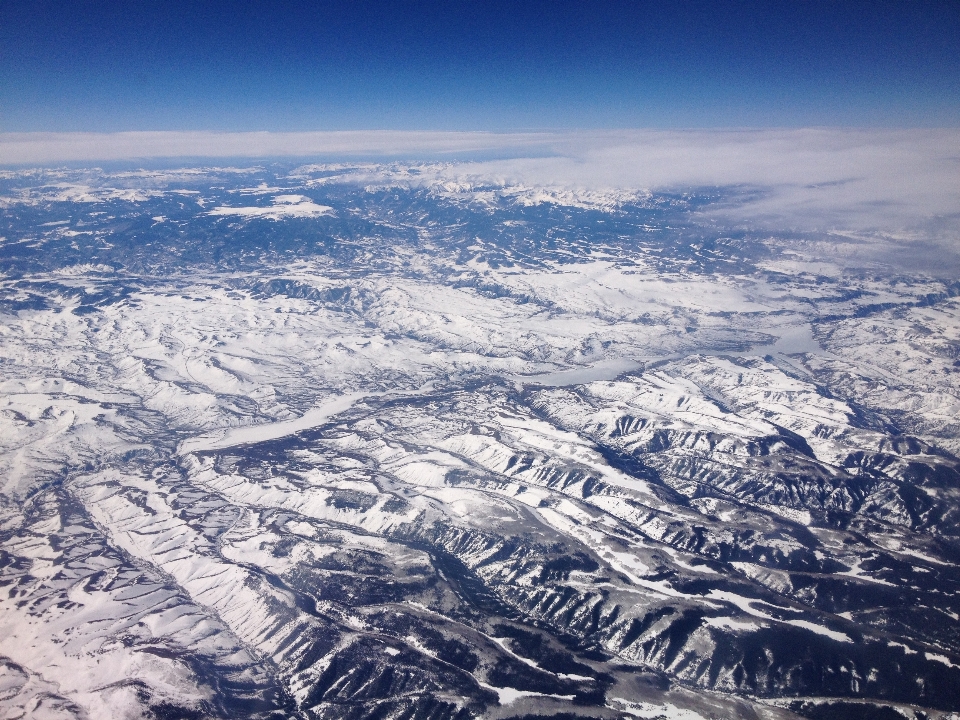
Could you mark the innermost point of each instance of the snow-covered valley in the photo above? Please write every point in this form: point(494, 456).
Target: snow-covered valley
point(279, 442)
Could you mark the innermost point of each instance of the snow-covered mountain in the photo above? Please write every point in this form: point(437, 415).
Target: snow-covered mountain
point(363, 441)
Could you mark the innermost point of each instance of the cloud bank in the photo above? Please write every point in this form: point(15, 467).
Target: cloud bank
point(40, 148)
point(811, 179)
point(891, 181)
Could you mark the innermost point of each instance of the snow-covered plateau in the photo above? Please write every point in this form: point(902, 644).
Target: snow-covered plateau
point(358, 441)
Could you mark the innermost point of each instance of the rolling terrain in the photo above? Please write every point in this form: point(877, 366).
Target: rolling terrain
point(359, 441)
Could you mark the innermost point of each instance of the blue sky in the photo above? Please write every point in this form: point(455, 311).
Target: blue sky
point(482, 65)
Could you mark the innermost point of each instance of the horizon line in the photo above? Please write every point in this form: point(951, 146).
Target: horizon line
point(21, 148)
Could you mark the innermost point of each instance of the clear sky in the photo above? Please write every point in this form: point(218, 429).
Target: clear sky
point(107, 66)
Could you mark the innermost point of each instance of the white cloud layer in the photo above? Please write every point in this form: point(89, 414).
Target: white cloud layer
point(21, 148)
point(813, 179)
point(892, 181)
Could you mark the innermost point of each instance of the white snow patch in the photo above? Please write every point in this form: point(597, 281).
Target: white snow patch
point(906, 650)
point(284, 206)
point(820, 630)
point(747, 605)
point(653, 711)
point(508, 696)
point(802, 517)
point(731, 624)
point(940, 659)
